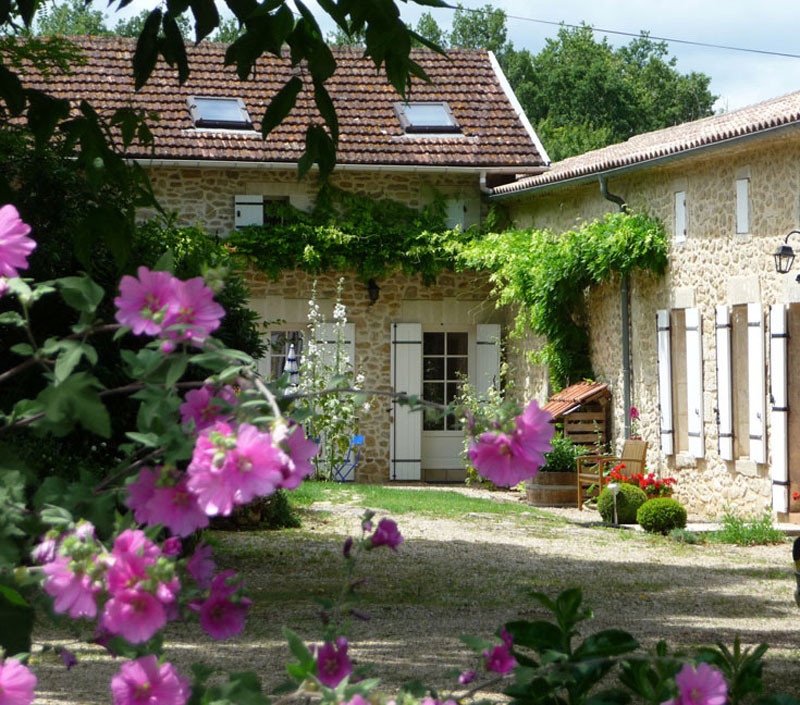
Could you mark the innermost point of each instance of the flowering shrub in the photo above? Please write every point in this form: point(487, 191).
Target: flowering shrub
point(653, 487)
point(199, 449)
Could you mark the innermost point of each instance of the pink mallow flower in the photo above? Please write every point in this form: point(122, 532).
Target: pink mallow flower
point(134, 614)
point(177, 509)
point(333, 664)
point(702, 686)
point(148, 303)
point(15, 246)
point(200, 566)
point(213, 461)
point(140, 492)
point(16, 683)
point(203, 406)
point(196, 312)
point(220, 616)
point(172, 547)
point(509, 458)
point(386, 534)
point(74, 593)
point(144, 682)
point(499, 658)
point(298, 451)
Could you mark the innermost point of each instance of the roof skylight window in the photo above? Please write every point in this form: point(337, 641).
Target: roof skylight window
point(426, 118)
point(219, 113)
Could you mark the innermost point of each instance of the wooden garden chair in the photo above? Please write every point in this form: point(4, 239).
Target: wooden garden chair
point(592, 467)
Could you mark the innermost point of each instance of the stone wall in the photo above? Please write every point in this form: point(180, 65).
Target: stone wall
point(206, 196)
point(713, 266)
point(456, 300)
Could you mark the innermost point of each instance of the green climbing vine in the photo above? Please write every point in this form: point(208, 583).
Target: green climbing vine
point(545, 274)
point(350, 232)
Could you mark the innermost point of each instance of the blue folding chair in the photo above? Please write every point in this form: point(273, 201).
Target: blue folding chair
point(346, 471)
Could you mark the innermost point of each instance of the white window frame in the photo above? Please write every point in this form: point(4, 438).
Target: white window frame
point(680, 217)
point(742, 206)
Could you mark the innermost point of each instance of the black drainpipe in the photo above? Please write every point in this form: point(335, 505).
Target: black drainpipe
point(625, 309)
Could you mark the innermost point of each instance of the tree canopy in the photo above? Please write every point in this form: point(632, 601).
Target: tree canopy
point(581, 93)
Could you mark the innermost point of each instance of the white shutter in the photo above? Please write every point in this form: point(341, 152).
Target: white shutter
point(724, 383)
point(694, 381)
point(665, 381)
point(406, 442)
point(248, 210)
point(755, 383)
point(742, 205)
point(456, 213)
point(680, 216)
point(326, 338)
point(779, 467)
point(488, 358)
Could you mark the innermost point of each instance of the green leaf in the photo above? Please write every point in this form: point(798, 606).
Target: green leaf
point(81, 293)
point(202, 672)
point(176, 369)
point(11, 90)
point(150, 440)
point(44, 113)
point(55, 516)
point(326, 109)
point(173, 47)
point(609, 697)
point(537, 635)
point(16, 616)
point(281, 105)
point(75, 400)
point(206, 17)
point(146, 54)
point(299, 650)
point(610, 642)
point(23, 349)
point(11, 318)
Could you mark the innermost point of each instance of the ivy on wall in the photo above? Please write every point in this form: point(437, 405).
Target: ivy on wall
point(543, 274)
point(546, 274)
point(350, 232)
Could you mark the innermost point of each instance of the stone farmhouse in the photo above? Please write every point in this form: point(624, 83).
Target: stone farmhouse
point(715, 344)
point(459, 135)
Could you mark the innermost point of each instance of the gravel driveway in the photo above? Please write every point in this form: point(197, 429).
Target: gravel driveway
point(470, 575)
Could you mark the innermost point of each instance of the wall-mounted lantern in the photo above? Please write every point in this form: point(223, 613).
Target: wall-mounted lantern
point(784, 255)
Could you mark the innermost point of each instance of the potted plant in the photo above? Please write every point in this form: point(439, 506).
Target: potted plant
point(554, 485)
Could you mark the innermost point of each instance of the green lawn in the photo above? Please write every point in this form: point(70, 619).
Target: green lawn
point(432, 501)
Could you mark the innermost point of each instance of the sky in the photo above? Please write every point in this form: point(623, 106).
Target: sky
point(738, 78)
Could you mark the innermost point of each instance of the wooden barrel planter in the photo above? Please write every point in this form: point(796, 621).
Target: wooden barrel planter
point(552, 489)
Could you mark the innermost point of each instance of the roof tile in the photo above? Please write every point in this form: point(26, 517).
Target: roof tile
point(751, 120)
point(370, 133)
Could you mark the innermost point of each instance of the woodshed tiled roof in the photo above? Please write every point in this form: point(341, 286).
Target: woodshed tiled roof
point(573, 396)
point(370, 133)
point(752, 120)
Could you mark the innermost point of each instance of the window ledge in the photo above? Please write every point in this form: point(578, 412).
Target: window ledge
point(684, 460)
point(745, 466)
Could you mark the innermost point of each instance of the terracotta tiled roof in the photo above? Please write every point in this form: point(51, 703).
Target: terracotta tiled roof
point(370, 133)
point(671, 140)
point(573, 396)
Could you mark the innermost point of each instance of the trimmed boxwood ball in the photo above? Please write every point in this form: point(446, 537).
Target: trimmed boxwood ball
point(661, 515)
point(629, 499)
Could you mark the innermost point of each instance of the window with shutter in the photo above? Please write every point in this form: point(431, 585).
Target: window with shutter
point(680, 392)
point(779, 408)
point(665, 381)
point(694, 382)
point(755, 380)
point(740, 391)
point(724, 383)
point(406, 440)
point(488, 358)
